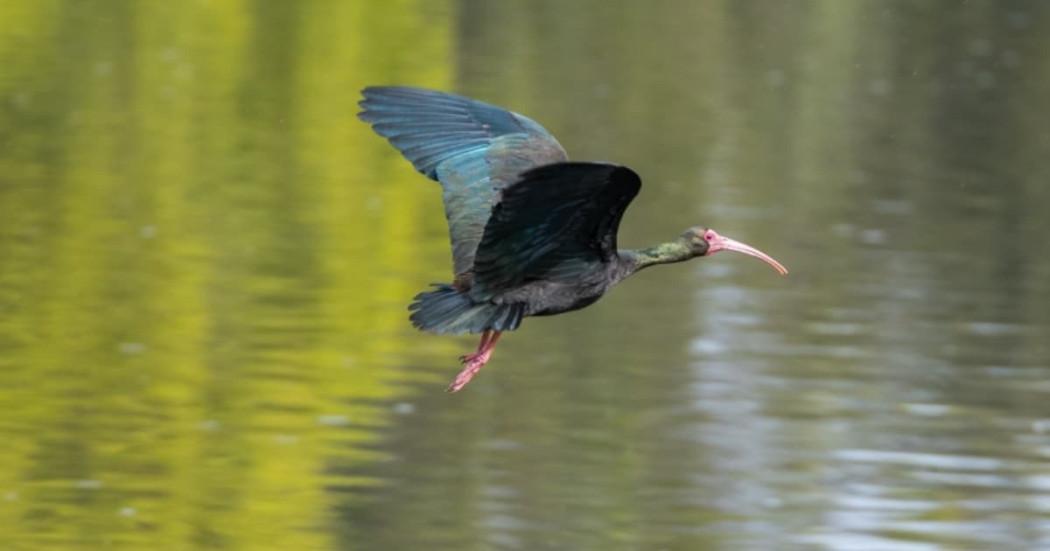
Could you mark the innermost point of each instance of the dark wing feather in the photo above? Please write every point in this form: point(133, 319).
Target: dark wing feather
point(474, 149)
point(556, 215)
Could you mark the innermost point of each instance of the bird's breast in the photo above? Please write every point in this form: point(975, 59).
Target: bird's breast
point(546, 298)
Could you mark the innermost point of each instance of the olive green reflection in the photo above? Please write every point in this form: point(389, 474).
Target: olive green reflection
point(205, 261)
point(197, 240)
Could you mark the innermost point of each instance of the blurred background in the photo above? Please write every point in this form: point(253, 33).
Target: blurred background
point(205, 263)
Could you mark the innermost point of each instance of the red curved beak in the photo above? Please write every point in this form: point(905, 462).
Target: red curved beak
point(716, 242)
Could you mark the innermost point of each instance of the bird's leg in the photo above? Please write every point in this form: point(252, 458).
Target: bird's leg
point(474, 362)
point(485, 338)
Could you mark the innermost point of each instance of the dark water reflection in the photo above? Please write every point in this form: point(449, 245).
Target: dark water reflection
point(205, 259)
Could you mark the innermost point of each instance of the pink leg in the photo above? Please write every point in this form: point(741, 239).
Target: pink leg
point(474, 362)
point(485, 338)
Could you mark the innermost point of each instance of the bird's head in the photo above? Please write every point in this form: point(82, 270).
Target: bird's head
point(703, 241)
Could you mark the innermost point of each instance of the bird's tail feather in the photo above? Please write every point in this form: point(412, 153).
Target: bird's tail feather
point(448, 311)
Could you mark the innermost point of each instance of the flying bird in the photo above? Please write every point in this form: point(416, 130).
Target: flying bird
point(532, 233)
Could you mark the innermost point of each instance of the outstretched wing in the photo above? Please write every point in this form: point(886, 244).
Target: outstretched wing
point(556, 215)
point(474, 149)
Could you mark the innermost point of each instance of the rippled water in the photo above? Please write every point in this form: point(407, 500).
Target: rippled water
point(205, 261)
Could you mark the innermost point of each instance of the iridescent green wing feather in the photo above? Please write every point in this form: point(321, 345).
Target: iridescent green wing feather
point(472, 148)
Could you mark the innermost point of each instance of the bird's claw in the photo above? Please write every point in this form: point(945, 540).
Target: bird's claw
point(472, 364)
point(465, 376)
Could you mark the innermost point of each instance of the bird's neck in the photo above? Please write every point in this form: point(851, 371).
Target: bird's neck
point(664, 253)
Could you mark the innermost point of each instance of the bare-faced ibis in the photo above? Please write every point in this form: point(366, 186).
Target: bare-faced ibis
point(532, 233)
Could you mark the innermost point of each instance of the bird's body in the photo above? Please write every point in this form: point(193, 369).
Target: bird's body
point(532, 234)
point(554, 296)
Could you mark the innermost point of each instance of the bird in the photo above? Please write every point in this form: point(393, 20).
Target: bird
point(532, 233)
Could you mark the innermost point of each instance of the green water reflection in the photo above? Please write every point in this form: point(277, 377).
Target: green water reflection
point(205, 261)
point(204, 265)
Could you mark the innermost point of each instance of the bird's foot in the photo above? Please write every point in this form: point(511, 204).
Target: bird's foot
point(466, 358)
point(472, 364)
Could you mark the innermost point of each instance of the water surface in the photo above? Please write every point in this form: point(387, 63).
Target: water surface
point(205, 261)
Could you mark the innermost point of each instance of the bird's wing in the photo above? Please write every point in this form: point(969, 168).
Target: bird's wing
point(474, 149)
point(557, 216)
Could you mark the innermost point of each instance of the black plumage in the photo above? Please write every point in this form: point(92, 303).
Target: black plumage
point(532, 234)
